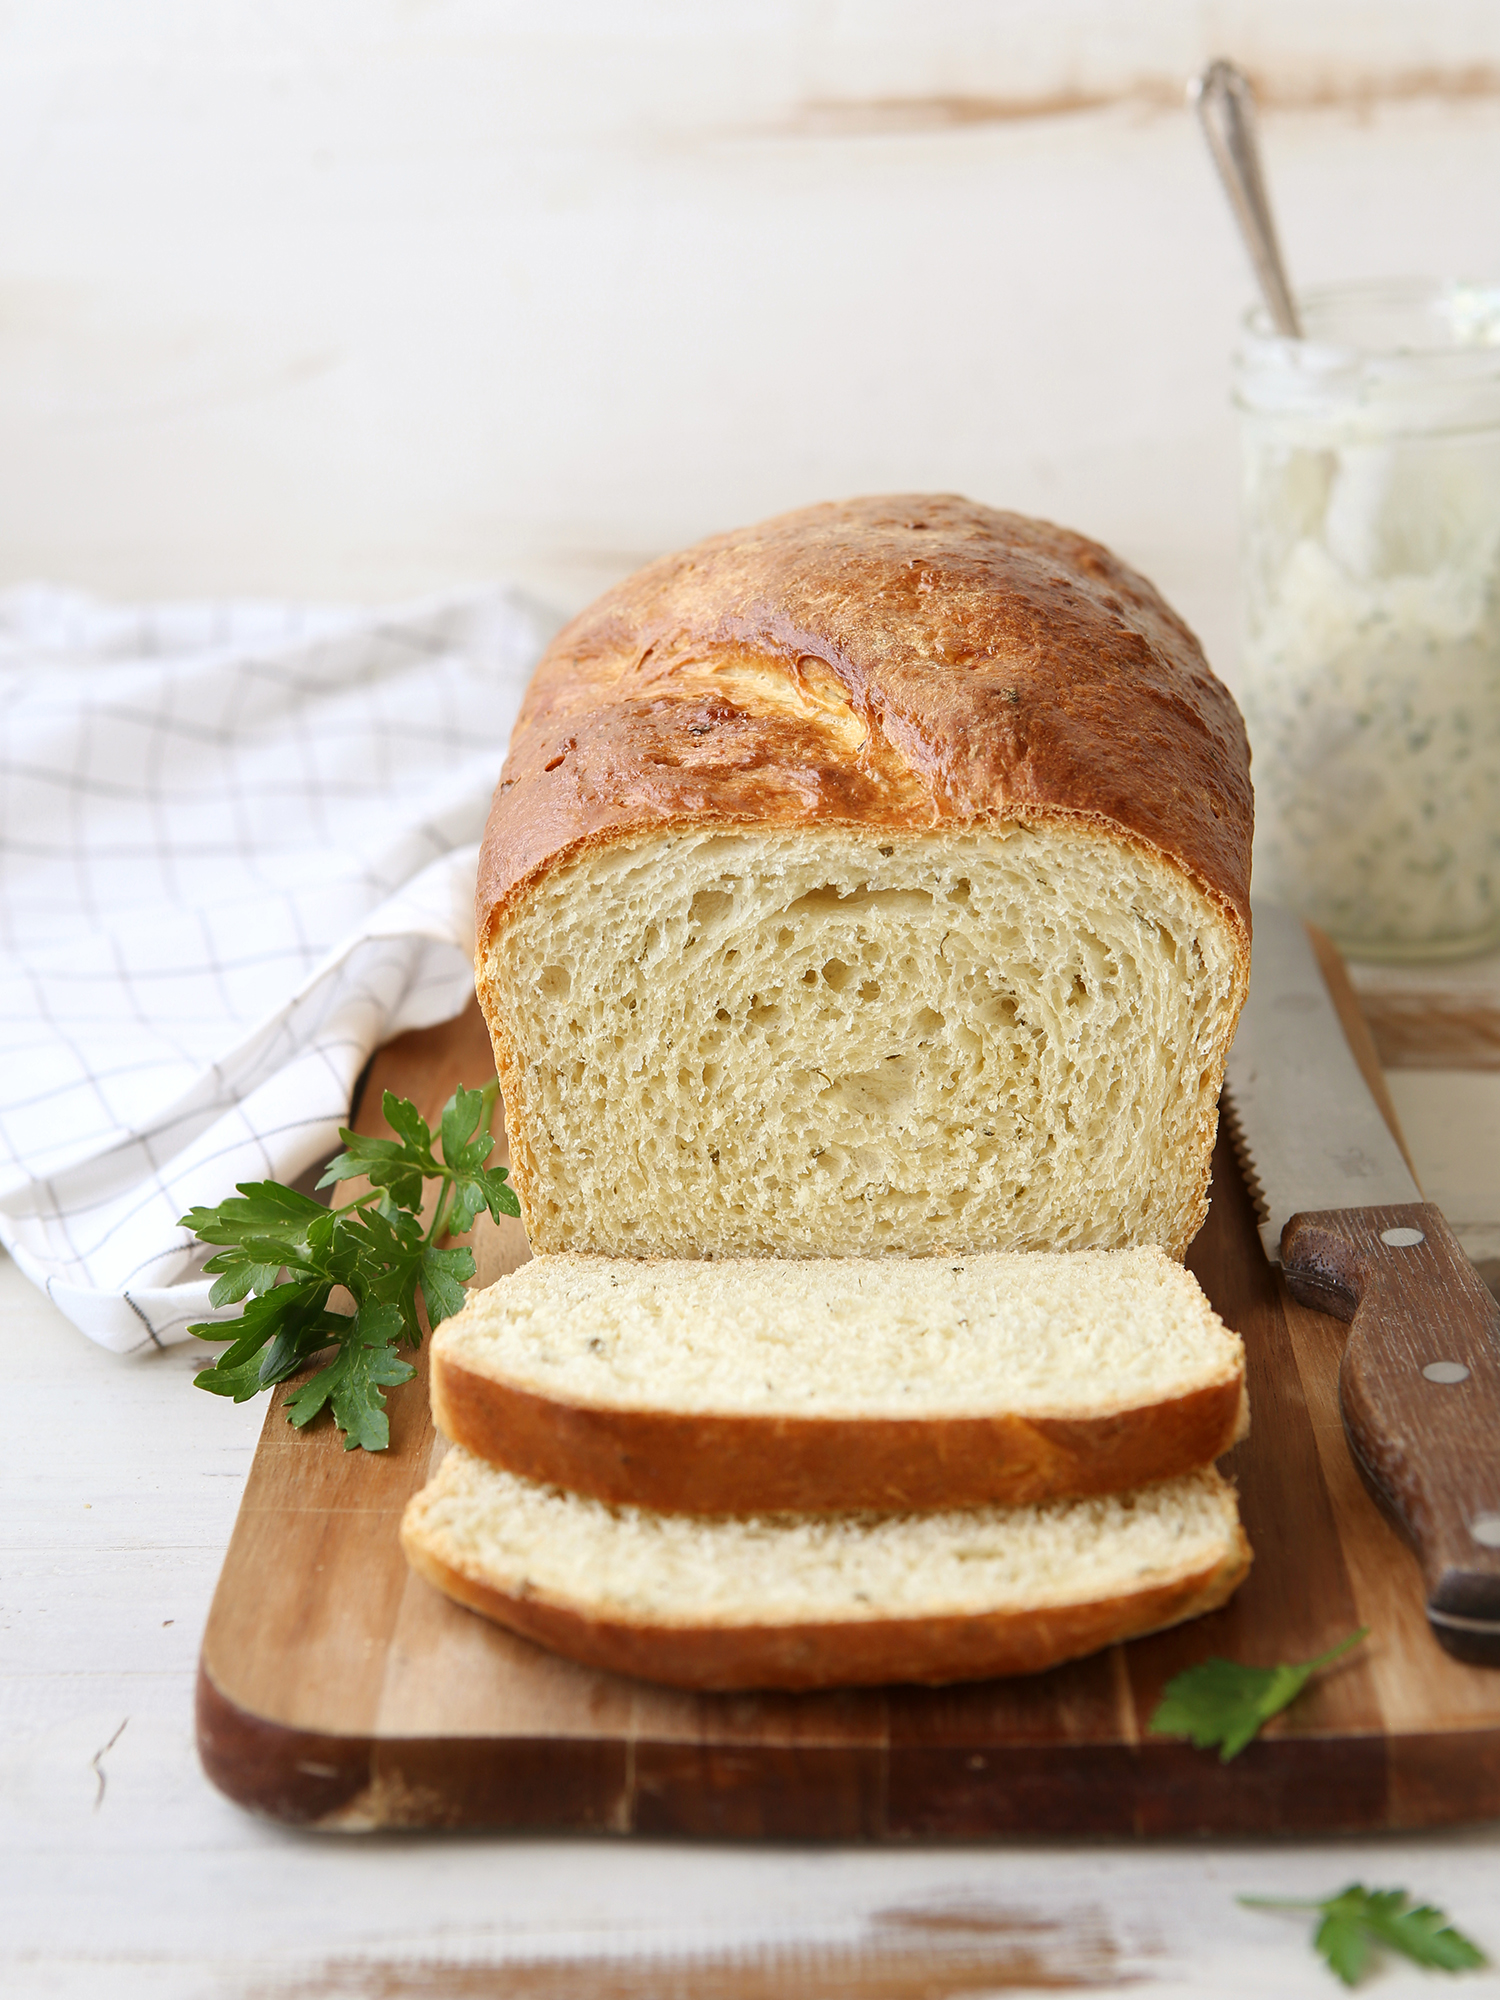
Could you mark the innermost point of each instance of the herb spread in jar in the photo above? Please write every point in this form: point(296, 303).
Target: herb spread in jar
point(1371, 673)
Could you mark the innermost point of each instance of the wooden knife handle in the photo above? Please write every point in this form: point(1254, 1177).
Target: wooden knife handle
point(1420, 1393)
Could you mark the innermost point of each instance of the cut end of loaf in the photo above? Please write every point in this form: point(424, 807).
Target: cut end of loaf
point(746, 1386)
point(818, 1042)
point(846, 1601)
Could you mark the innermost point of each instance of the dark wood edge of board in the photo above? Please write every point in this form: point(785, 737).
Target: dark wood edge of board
point(1296, 1785)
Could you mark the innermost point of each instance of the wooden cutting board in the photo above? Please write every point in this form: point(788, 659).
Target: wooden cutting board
point(338, 1690)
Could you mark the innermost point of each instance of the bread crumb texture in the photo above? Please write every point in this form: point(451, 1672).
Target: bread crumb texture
point(804, 1043)
point(625, 1564)
point(1089, 1334)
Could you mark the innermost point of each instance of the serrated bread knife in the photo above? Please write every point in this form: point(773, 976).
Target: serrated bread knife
point(1419, 1385)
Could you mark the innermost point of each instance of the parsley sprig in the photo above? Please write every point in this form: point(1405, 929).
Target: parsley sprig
point(285, 1254)
point(1219, 1702)
point(1358, 1921)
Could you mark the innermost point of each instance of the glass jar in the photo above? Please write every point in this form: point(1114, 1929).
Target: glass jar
point(1371, 638)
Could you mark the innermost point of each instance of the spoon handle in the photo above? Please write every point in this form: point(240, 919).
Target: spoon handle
point(1226, 110)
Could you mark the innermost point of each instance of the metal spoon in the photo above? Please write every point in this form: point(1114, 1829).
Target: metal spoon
point(1226, 110)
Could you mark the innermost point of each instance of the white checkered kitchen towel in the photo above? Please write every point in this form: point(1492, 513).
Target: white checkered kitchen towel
point(237, 850)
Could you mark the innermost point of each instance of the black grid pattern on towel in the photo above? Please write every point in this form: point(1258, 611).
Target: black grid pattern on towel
point(235, 849)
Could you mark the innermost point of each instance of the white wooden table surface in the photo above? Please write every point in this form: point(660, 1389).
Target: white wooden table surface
point(333, 301)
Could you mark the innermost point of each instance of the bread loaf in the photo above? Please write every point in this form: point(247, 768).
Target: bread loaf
point(839, 1601)
point(872, 880)
point(869, 887)
point(841, 1385)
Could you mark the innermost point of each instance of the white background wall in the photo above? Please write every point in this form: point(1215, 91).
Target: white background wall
point(361, 297)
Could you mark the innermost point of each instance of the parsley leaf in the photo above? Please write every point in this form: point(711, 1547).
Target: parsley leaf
point(1221, 1702)
point(285, 1254)
point(1358, 1920)
point(441, 1277)
point(365, 1363)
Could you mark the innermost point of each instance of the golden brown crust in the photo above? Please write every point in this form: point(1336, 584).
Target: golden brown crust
point(708, 1463)
point(908, 663)
point(863, 1653)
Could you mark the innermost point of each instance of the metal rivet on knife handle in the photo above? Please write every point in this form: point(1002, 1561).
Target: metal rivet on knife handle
point(1446, 1372)
point(1401, 1239)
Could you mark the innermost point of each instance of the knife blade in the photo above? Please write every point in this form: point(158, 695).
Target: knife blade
point(1419, 1383)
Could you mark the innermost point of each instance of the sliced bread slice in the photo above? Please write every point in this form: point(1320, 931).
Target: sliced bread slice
point(842, 1384)
point(824, 1601)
